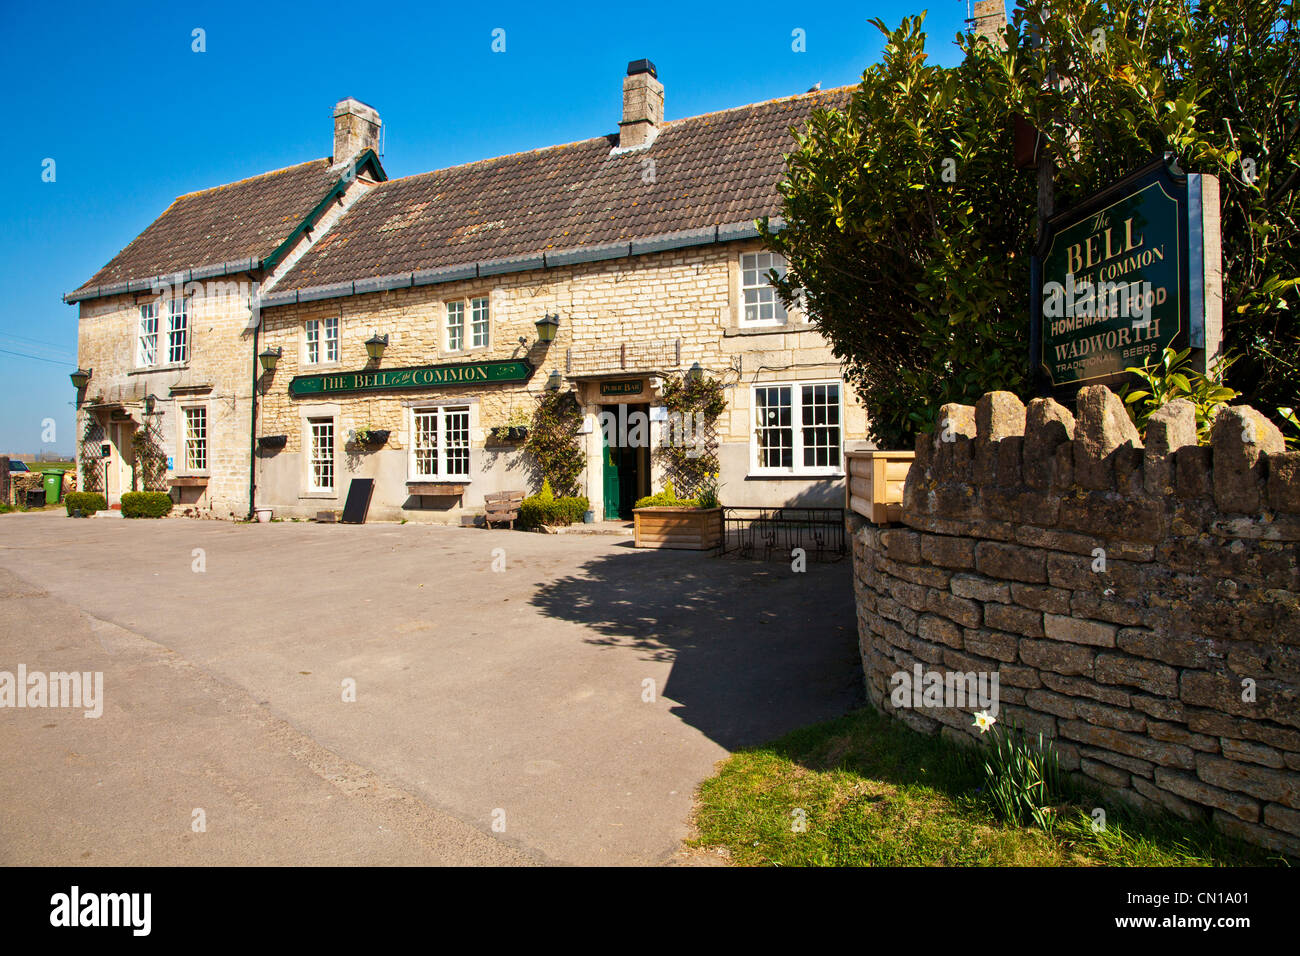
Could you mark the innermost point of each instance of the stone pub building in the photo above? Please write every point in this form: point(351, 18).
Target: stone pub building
point(265, 342)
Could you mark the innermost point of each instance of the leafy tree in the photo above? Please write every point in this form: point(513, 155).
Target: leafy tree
point(908, 229)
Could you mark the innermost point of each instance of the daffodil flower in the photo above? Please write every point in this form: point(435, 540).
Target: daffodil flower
point(984, 721)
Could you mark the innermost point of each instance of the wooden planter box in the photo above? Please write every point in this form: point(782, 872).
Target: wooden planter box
point(875, 485)
point(686, 529)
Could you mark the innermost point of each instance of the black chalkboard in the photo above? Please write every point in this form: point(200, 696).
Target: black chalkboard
point(354, 512)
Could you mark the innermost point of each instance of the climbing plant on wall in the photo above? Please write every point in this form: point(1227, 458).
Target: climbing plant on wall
point(92, 471)
point(554, 444)
point(150, 458)
point(690, 453)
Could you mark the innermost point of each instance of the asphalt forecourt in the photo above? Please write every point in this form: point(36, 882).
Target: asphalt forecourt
point(309, 694)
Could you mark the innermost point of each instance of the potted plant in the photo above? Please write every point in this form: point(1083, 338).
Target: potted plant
point(372, 436)
point(689, 524)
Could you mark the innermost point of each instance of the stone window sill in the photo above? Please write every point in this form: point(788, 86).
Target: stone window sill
point(169, 367)
point(794, 476)
point(735, 330)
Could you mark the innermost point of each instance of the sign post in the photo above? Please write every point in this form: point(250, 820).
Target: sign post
point(1131, 270)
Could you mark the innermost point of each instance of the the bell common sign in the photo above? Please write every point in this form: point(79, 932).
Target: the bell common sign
point(1131, 270)
point(424, 376)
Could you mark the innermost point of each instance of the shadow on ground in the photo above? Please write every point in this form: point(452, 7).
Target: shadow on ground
point(757, 649)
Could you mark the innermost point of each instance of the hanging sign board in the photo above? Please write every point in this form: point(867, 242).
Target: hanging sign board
point(1128, 272)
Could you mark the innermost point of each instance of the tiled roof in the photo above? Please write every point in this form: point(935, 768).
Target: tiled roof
point(243, 220)
point(715, 169)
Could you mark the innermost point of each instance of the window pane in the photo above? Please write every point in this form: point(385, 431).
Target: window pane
point(322, 454)
point(313, 341)
point(456, 441)
point(761, 303)
point(775, 434)
point(148, 351)
point(196, 439)
point(455, 326)
point(332, 339)
point(479, 323)
point(177, 330)
point(426, 443)
point(820, 415)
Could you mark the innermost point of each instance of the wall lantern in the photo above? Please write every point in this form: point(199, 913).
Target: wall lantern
point(695, 374)
point(547, 326)
point(149, 402)
point(270, 358)
point(376, 344)
point(80, 377)
point(554, 380)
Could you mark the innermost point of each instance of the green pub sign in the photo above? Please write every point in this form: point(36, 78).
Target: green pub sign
point(424, 376)
point(1129, 271)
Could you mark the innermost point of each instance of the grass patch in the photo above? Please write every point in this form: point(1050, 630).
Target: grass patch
point(876, 793)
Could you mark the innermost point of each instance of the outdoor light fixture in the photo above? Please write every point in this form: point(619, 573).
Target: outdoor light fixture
point(376, 344)
point(695, 373)
point(149, 402)
point(553, 380)
point(80, 377)
point(546, 327)
point(270, 358)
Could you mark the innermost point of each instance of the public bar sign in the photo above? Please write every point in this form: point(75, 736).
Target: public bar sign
point(627, 387)
point(424, 376)
point(1131, 270)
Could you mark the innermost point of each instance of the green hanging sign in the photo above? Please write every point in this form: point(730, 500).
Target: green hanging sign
point(1132, 270)
point(424, 376)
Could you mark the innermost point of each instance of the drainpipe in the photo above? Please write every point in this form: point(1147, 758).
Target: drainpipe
point(252, 432)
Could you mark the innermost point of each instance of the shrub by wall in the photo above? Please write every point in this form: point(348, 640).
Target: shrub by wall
point(1138, 603)
point(88, 502)
point(146, 504)
point(544, 508)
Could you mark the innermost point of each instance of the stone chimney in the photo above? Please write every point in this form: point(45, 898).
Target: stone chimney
point(643, 106)
point(989, 19)
point(356, 127)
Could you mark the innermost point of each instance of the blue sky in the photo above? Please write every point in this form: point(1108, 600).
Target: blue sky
point(133, 117)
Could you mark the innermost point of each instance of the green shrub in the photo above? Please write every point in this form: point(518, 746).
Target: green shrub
point(88, 502)
point(666, 499)
point(544, 508)
point(146, 504)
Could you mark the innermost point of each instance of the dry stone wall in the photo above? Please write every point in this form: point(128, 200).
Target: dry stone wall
point(1138, 604)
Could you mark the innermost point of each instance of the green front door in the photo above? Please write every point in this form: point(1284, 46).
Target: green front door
point(613, 499)
point(621, 466)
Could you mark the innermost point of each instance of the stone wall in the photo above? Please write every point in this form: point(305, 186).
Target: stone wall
point(1140, 605)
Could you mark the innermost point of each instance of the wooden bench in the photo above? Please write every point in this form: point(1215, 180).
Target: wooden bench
point(502, 506)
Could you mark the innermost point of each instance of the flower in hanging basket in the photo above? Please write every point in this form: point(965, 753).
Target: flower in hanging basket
point(372, 436)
